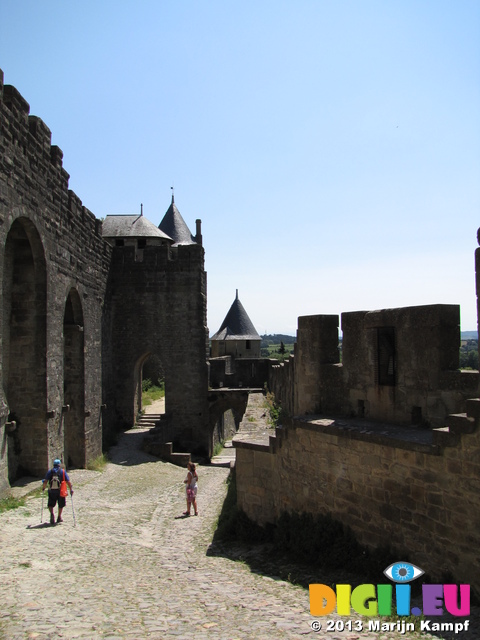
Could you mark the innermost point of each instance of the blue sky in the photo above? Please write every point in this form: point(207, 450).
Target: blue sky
point(331, 148)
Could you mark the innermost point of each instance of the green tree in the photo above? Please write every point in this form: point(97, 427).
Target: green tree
point(472, 359)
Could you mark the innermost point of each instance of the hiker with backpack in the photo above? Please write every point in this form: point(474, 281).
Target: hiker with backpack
point(57, 479)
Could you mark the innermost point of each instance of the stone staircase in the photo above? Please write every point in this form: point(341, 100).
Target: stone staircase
point(148, 420)
point(164, 451)
point(226, 457)
point(156, 439)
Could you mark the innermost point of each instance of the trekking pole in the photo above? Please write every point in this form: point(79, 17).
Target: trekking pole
point(41, 517)
point(73, 511)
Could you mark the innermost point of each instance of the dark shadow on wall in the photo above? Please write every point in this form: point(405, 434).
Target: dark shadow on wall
point(305, 550)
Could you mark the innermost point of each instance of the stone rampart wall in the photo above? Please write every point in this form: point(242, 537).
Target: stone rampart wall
point(281, 383)
point(414, 380)
point(53, 273)
point(414, 488)
point(422, 499)
point(424, 385)
point(477, 290)
point(226, 409)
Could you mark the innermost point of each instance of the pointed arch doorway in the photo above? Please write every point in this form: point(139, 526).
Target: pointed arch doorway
point(149, 374)
point(24, 340)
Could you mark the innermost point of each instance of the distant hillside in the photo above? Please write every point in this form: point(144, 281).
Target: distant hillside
point(277, 338)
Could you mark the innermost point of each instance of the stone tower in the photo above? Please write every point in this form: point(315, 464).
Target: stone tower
point(156, 306)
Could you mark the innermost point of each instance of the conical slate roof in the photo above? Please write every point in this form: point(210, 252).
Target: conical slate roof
point(237, 325)
point(175, 226)
point(131, 226)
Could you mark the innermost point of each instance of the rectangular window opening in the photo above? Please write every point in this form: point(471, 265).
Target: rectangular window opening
point(386, 357)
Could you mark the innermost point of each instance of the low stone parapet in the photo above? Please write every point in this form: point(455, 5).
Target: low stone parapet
point(416, 489)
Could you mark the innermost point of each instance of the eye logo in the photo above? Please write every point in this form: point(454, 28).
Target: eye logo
point(403, 572)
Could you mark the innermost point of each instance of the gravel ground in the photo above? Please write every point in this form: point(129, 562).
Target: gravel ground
point(130, 566)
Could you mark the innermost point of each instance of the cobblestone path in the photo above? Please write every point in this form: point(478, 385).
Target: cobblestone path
point(132, 567)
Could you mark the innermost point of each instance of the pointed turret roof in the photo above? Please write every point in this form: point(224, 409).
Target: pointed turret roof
point(131, 226)
point(175, 226)
point(237, 325)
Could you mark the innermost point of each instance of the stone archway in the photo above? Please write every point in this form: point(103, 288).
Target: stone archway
point(137, 382)
point(150, 366)
point(24, 348)
point(73, 382)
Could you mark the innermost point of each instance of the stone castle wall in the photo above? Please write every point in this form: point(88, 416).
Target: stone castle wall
point(53, 275)
point(422, 499)
point(395, 451)
point(79, 318)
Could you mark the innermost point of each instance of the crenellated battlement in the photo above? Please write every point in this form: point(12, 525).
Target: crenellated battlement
point(33, 168)
point(34, 184)
point(27, 140)
point(183, 258)
point(13, 99)
point(40, 131)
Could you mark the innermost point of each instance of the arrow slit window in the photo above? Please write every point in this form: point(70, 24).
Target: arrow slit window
point(386, 356)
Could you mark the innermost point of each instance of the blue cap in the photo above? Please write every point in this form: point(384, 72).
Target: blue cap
point(57, 462)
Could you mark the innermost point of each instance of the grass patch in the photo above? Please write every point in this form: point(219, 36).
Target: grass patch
point(218, 448)
point(280, 351)
point(35, 493)
point(9, 503)
point(275, 411)
point(99, 463)
point(151, 392)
